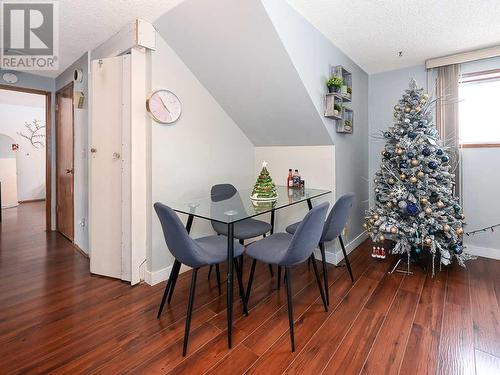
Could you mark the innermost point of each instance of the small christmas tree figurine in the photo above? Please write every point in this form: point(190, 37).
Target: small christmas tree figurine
point(264, 188)
point(414, 202)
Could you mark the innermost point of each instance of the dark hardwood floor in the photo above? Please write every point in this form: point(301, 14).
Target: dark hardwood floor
point(57, 318)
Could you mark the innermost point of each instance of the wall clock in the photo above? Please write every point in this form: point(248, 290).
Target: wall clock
point(9, 77)
point(164, 106)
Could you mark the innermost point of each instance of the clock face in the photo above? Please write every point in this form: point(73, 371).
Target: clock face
point(9, 77)
point(164, 106)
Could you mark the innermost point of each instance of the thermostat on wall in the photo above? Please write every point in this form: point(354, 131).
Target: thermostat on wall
point(78, 75)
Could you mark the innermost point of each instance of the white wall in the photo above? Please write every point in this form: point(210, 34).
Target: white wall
point(30, 160)
point(202, 148)
point(81, 128)
point(8, 172)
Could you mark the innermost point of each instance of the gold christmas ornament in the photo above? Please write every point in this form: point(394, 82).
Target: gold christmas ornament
point(399, 151)
point(418, 109)
point(407, 109)
point(428, 241)
point(413, 179)
point(391, 181)
point(414, 162)
point(446, 228)
point(375, 217)
point(440, 204)
point(420, 174)
point(460, 231)
point(365, 225)
point(428, 210)
point(402, 176)
point(424, 200)
point(372, 221)
point(389, 204)
point(394, 230)
point(381, 238)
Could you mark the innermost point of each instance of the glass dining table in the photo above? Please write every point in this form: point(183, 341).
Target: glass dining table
point(233, 209)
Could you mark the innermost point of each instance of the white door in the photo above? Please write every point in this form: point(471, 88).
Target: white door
point(110, 168)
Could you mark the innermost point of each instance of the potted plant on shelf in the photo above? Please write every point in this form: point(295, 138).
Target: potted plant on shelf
point(337, 108)
point(347, 125)
point(334, 84)
point(349, 91)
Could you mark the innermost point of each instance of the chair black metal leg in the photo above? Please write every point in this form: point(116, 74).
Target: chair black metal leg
point(346, 259)
point(217, 274)
point(290, 305)
point(318, 280)
point(325, 271)
point(165, 293)
point(210, 271)
point(189, 311)
point(271, 270)
point(176, 268)
point(240, 285)
point(250, 280)
point(242, 242)
point(279, 277)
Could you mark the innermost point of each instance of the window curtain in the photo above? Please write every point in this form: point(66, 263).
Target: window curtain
point(447, 95)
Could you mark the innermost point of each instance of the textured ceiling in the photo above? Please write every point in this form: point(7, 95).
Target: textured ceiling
point(372, 32)
point(85, 24)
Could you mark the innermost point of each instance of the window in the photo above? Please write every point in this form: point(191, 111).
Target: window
point(479, 109)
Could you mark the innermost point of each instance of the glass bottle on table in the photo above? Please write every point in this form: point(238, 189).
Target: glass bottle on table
point(296, 179)
point(289, 180)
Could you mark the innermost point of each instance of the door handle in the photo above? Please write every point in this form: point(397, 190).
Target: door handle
point(69, 170)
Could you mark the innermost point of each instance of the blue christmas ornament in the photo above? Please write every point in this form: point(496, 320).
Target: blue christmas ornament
point(387, 154)
point(439, 152)
point(432, 231)
point(426, 151)
point(410, 155)
point(387, 135)
point(412, 135)
point(403, 165)
point(432, 164)
point(418, 250)
point(456, 249)
point(445, 159)
point(411, 209)
point(457, 207)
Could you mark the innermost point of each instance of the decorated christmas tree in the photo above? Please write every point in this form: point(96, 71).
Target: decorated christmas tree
point(264, 188)
point(414, 202)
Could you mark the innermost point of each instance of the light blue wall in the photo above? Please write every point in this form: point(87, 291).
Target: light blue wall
point(312, 54)
point(385, 89)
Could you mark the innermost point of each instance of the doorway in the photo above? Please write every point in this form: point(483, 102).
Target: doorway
point(65, 162)
point(25, 130)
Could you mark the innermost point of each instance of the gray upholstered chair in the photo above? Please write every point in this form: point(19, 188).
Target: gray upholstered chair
point(287, 250)
point(334, 224)
point(244, 229)
point(193, 253)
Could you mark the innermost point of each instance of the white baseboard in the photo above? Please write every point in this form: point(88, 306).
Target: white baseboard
point(155, 277)
point(486, 252)
point(336, 256)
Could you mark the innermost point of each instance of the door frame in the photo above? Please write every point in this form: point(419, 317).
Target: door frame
point(48, 147)
point(65, 87)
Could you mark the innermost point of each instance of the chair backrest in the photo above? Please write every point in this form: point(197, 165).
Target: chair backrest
point(338, 217)
point(182, 247)
point(307, 236)
point(221, 192)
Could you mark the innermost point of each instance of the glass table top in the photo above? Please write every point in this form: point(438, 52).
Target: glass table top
point(239, 206)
